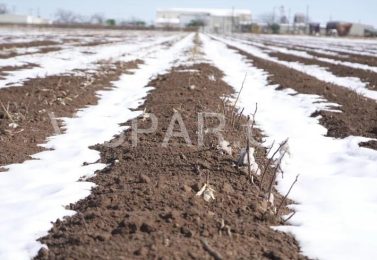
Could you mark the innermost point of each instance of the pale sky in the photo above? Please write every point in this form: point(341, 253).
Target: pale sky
point(364, 11)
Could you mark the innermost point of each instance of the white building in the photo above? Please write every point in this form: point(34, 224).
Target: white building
point(21, 19)
point(360, 30)
point(214, 20)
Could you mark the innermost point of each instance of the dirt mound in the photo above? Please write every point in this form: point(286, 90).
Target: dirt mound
point(145, 204)
point(28, 107)
point(359, 114)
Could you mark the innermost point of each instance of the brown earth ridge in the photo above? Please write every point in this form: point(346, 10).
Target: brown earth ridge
point(359, 114)
point(145, 205)
point(29, 107)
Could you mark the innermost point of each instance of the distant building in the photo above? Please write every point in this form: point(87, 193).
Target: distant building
point(300, 18)
point(314, 28)
point(349, 29)
point(300, 24)
point(213, 20)
point(360, 30)
point(22, 19)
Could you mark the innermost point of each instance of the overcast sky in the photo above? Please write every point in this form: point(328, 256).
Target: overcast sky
point(364, 11)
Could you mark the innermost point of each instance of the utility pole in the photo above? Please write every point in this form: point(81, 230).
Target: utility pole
point(289, 20)
point(232, 20)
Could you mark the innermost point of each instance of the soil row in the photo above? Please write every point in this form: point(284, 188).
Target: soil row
point(13, 52)
point(359, 114)
point(343, 56)
point(25, 112)
point(27, 44)
point(4, 71)
point(145, 204)
point(369, 77)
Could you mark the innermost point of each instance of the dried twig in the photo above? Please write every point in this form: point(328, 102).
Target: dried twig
point(248, 147)
point(274, 175)
point(286, 196)
point(238, 96)
point(239, 116)
point(270, 161)
point(269, 149)
point(224, 106)
point(284, 221)
point(255, 112)
point(210, 250)
point(7, 112)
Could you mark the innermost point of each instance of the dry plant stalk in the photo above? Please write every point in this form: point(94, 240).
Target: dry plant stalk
point(284, 221)
point(224, 106)
point(6, 110)
point(270, 161)
point(248, 147)
point(269, 149)
point(210, 250)
point(286, 196)
point(238, 96)
point(274, 175)
point(239, 116)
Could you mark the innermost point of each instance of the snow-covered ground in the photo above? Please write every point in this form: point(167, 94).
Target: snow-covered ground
point(336, 192)
point(304, 54)
point(318, 72)
point(34, 193)
point(74, 58)
point(364, 47)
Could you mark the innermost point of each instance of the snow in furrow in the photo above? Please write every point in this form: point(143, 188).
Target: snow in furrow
point(72, 59)
point(34, 193)
point(320, 73)
point(306, 55)
point(336, 192)
point(352, 46)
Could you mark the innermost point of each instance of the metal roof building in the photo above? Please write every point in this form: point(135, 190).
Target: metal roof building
point(214, 20)
point(22, 19)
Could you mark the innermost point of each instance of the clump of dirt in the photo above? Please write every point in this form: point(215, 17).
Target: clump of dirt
point(25, 121)
point(359, 114)
point(370, 144)
point(145, 205)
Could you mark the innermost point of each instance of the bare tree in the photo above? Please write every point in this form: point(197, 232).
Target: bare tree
point(3, 9)
point(97, 19)
point(67, 17)
point(268, 18)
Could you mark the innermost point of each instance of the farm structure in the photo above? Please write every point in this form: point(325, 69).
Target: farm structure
point(212, 20)
point(22, 19)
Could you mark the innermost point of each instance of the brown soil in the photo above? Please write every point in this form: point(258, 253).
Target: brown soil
point(144, 205)
point(41, 50)
point(359, 114)
point(49, 49)
point(4, 71)
point(362, 59)
point(354, 58)
point(94, 43)
point(369, 77)
point(27, 44)
point(28, 106)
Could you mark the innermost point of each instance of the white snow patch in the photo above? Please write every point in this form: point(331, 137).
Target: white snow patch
point(336, 194)
point(34, 193)
point(66, 61)
point(313, 70)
